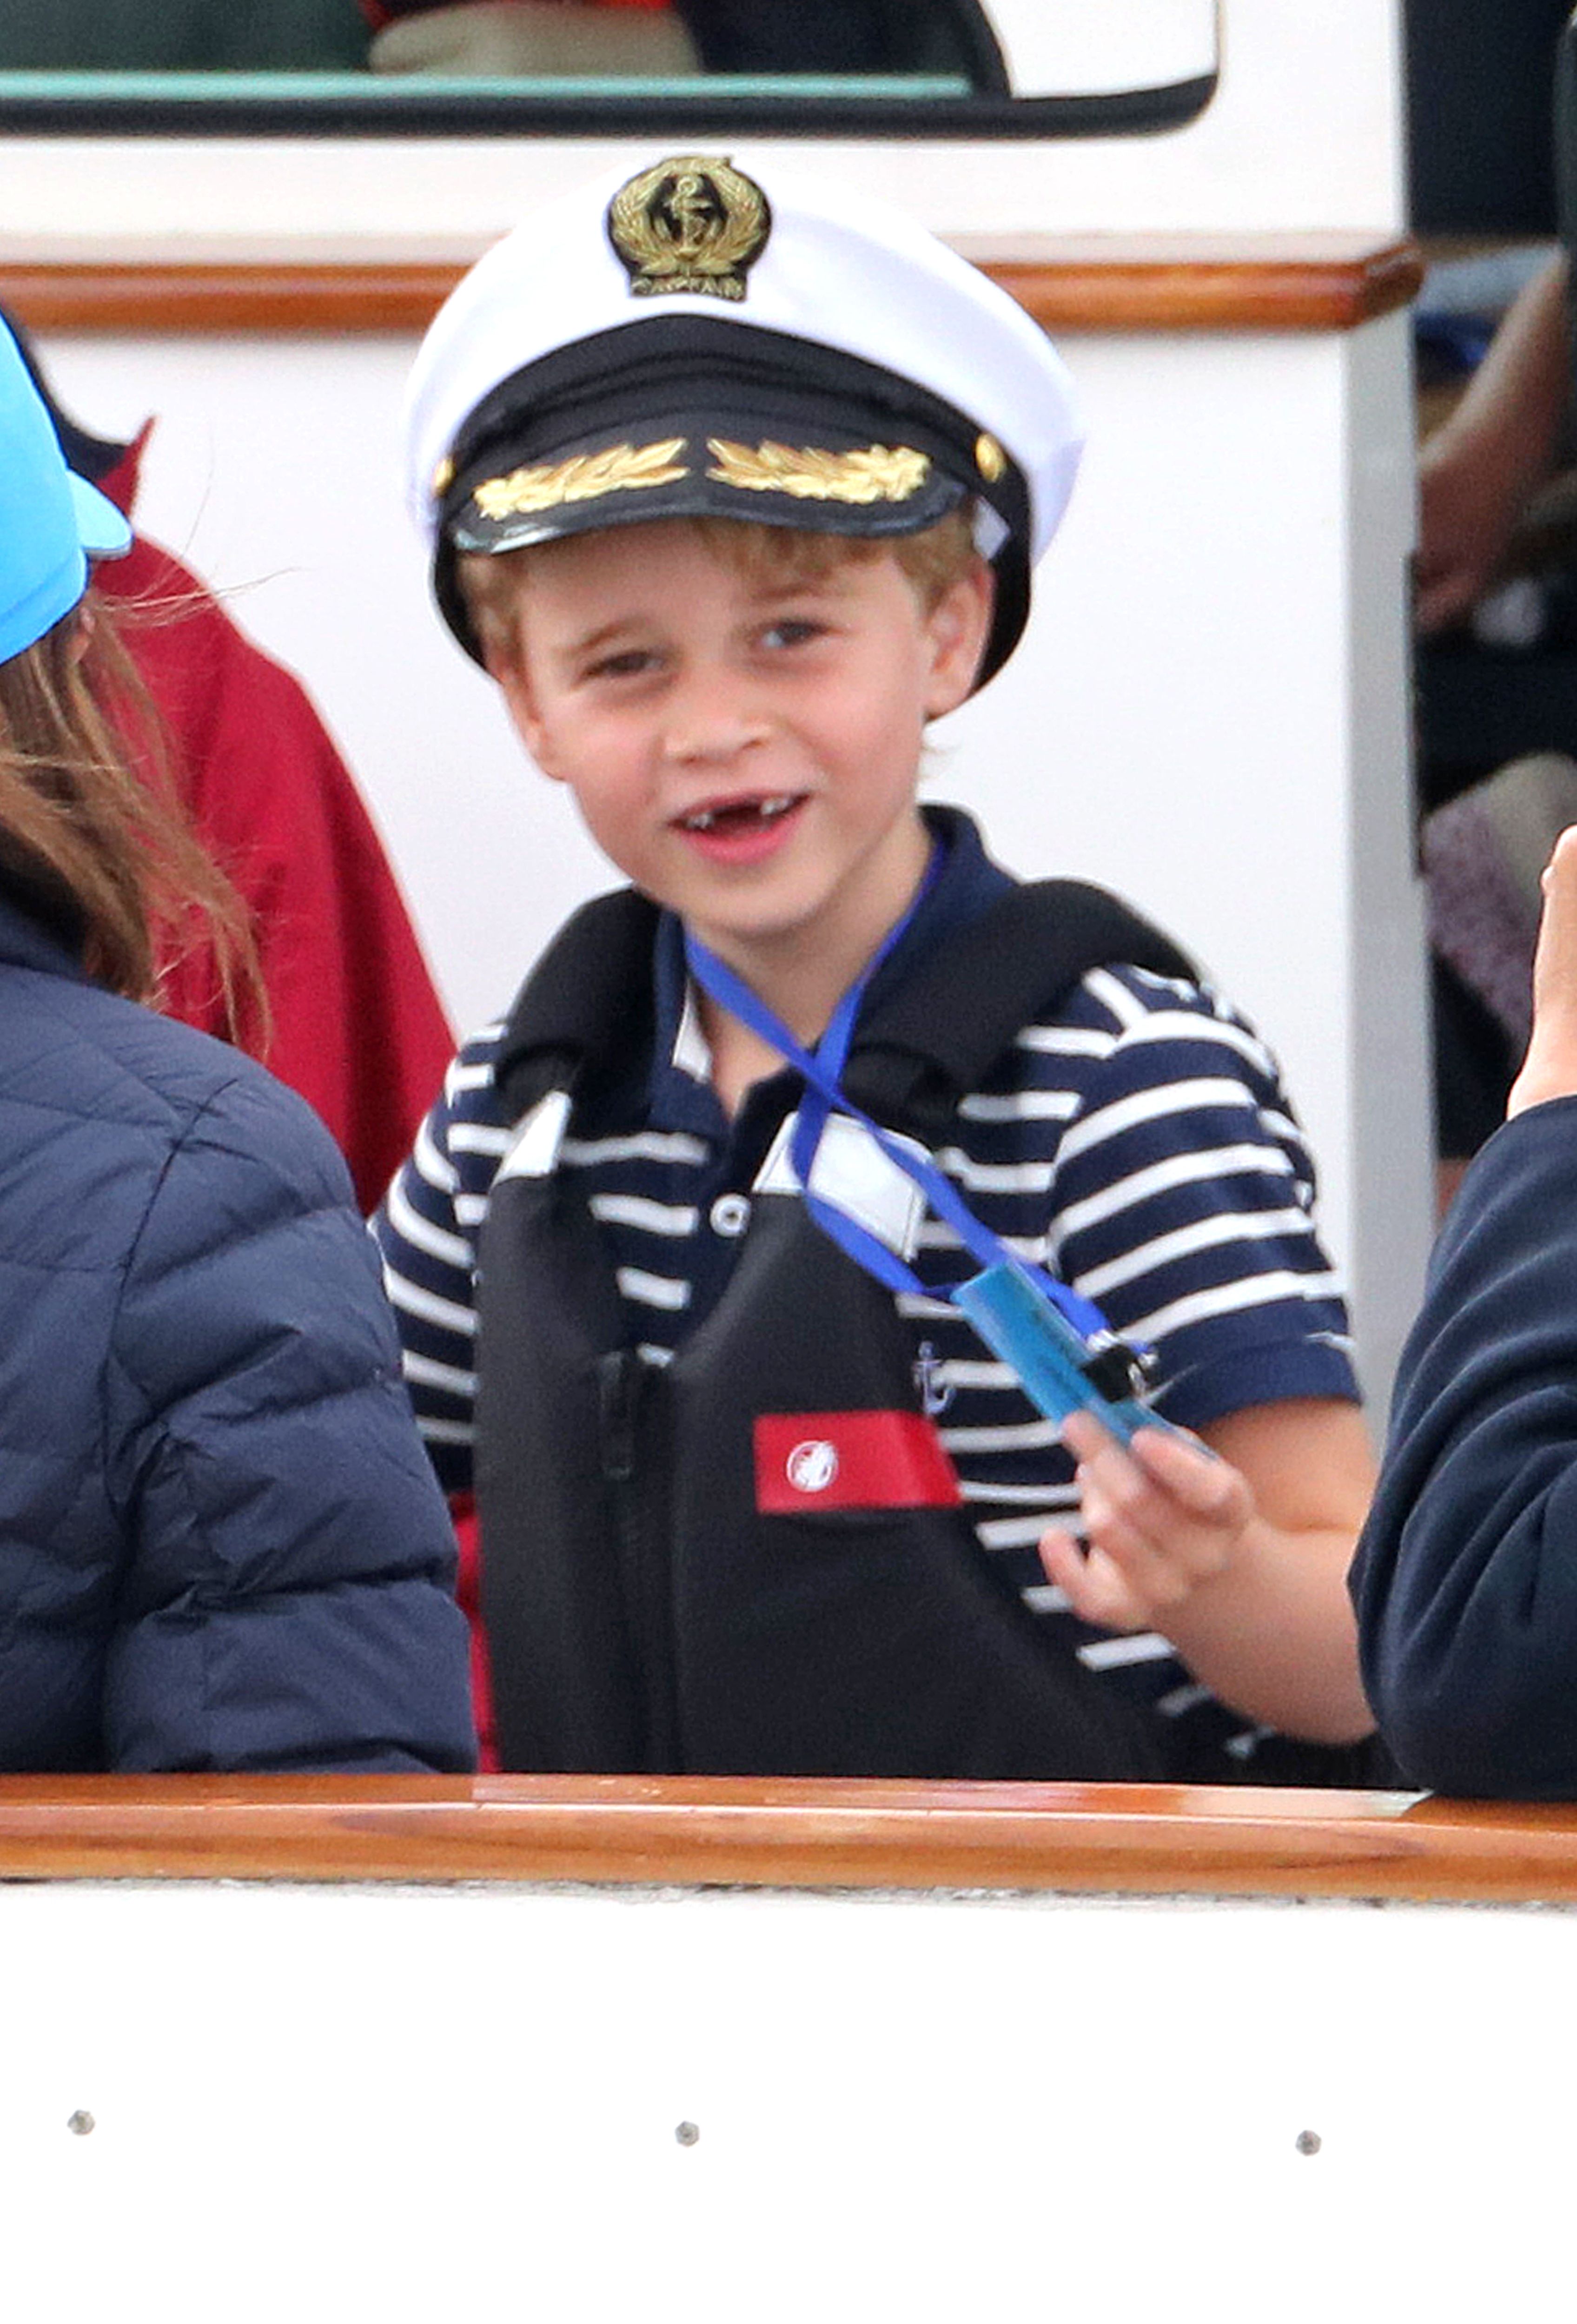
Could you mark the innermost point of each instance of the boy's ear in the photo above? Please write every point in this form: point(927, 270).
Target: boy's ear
point(959, 625)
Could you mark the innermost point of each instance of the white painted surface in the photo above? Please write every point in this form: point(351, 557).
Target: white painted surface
point(339, 2104)
point(1070, 47)
point(1303, 135)
point(1387, 1116)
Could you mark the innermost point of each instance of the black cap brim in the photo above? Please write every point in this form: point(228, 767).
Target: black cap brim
point(680, 417)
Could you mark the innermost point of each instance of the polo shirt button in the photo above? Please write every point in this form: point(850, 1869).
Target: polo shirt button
point(731, 1214)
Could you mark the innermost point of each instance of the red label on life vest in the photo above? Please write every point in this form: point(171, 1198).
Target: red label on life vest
point(808, 1461)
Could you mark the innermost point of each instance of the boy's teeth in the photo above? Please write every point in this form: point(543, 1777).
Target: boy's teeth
point(765, 810)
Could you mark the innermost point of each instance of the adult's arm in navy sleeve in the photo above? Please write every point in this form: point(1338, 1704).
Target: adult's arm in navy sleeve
point(288, 1601)
point(1465, 1581)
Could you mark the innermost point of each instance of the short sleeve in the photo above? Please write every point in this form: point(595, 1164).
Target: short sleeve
point(1184, 1198)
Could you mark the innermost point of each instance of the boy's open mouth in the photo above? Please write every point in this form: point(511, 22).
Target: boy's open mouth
point(739, 815)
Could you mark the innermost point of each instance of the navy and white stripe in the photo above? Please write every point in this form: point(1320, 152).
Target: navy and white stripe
point(1141, 1146)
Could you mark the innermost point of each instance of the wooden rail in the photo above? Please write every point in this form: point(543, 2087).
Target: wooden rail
point(1112, 283)
point(792, 1833)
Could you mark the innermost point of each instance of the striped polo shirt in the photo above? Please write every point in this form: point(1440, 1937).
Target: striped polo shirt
point(1137, 1143)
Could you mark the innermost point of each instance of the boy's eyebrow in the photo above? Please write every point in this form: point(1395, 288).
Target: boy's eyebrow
point(831, 584)
point(773, 589)
point(590, 640)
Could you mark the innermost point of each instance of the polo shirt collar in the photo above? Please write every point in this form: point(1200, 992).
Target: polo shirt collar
point(680, 1094)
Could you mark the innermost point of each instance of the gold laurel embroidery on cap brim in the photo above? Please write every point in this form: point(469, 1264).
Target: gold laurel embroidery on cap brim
point(879, 473)
point(585, 476)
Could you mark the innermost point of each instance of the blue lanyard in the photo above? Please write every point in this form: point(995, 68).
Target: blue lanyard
point(1056, 1342)
point(821, 1070)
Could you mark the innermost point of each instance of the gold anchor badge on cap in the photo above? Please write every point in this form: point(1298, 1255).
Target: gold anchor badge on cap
point(692, 222)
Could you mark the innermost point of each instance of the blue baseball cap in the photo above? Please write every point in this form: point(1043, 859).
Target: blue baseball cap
point(51, 521)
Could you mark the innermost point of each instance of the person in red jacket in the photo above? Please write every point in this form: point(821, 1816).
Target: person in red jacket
point(357, 1027)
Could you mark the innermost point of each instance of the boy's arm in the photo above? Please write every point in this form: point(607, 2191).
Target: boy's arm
point(1238, 1554)
point(1183, 1203)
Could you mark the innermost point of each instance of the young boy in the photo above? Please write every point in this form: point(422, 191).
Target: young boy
point(733, 488)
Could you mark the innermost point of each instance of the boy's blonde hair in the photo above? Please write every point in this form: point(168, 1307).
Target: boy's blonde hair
point(931, 561)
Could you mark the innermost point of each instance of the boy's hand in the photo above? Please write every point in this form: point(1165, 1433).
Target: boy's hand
point(1235, 1546)
point(1550, 1068)
point(1162, 1517)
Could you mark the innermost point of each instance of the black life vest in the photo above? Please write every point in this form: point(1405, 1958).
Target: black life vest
point(666, 1586)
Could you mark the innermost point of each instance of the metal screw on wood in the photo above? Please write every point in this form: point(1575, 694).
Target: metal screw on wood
point(1307, 2141)
point(687, 2133)
point(80, 2123)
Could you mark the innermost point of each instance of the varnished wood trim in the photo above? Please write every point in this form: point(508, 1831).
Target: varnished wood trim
point(179, 301)
point(1120, 285)
point(784, 1833)
point(1291, 293)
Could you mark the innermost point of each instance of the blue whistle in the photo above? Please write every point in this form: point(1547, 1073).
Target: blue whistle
point(1057, 1368)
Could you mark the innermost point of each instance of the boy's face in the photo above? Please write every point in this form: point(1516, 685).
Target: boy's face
point(743, 745)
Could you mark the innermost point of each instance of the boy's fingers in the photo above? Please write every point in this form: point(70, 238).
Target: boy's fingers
point(1155, 1554)
point(1083, 1435)
point(1164, 1510)
point(1185, 1473)
point(1092, 1584)
point(1208, 1485)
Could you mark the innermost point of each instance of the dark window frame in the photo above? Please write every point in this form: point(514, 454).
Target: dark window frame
point(387, 113)
point(740, 93)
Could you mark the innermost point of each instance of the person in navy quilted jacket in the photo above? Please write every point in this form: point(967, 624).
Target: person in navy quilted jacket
point(220, 1544)
point(1465, 1582)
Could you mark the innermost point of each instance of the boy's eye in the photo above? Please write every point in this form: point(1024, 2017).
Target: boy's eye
point(791, 629)
point(630, 661)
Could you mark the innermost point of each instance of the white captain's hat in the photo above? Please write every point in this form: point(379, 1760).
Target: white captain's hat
point(697, 339)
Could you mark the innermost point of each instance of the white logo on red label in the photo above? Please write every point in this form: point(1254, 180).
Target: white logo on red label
point(811, 1467)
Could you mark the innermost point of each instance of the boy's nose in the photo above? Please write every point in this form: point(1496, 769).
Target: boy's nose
point(712, 719)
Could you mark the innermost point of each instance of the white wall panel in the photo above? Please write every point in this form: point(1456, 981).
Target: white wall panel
point(337, 2104)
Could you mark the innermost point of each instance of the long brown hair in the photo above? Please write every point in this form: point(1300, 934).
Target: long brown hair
point(92, 838)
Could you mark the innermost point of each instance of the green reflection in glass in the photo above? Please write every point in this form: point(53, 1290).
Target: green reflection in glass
point(176, 87)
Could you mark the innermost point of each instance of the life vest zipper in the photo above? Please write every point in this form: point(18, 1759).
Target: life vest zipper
point(634, 1467)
